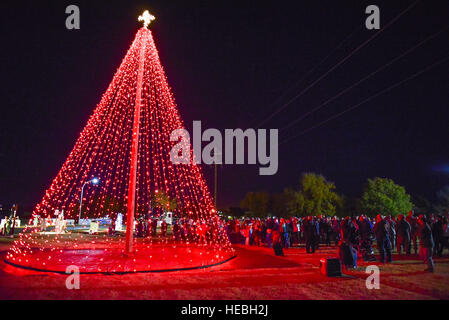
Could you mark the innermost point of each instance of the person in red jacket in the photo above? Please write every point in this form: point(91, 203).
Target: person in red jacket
point(277, 243)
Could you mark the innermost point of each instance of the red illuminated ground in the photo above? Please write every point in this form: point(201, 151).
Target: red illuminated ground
point(109, 257)
point(255, 274)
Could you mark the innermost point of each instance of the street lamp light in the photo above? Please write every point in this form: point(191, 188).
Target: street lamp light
point(94, 181)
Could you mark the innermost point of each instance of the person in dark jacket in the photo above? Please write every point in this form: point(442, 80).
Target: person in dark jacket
point(176, 231)
point(277, 243)
point(367, 235)
point(413, 232)
point(325, 230)
point(154, 227)
point(8, 226)
point(392, 229)
point(13, 225)
point(316, 233)
point(290, 231)
point(336, 230)
point(111, 229)
point(382, 231)
point(438, 234)
point(139, 229)
point(445, 234)
point(285, 233)
point(403, 230)
point(164, 228)
point(322, 228)
point(257, 235)
point(310, 234)
point(426, 244)
point(349, 240)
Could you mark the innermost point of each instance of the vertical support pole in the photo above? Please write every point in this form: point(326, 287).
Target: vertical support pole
point(81, 202)
point(134, 151)
point(216, 155)
point(215, 186)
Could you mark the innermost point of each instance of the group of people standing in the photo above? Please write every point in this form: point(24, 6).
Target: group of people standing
point(181, 229)
point(428, 233)
point(148, 228)
point(8, 226)
point(288, 232)
point(353, 235)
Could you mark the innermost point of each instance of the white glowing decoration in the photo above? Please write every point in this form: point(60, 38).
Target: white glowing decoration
point(146, 17)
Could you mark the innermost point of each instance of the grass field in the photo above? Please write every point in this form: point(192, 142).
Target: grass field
point(255, 274)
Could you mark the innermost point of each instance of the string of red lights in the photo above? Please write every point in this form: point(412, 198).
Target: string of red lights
point(103, 150)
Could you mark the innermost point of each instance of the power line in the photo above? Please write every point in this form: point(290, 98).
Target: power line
point(279, 99)
point(364, 78)
point(369, 99)
point(339, 63)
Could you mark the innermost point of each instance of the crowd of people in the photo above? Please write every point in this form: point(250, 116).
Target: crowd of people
point(183, 229)
point(7, 228)
point(353, 235)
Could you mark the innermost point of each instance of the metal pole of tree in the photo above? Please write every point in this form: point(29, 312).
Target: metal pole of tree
point(215, 185)
point(81, 201)
point(135, 148)
point(216, 155)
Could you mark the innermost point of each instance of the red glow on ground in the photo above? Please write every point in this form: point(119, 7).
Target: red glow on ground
point(112, 259)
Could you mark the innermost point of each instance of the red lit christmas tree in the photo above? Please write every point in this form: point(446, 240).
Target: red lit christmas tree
point(126, 146)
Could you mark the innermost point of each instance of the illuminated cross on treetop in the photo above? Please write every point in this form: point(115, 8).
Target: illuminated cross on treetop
point(146, 17)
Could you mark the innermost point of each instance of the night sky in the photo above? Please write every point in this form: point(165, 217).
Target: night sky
point(231, 64)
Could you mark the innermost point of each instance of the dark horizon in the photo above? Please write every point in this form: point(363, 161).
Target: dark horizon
point(228, 64)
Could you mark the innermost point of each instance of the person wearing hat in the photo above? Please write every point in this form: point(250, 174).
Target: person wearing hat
point(426, 243)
